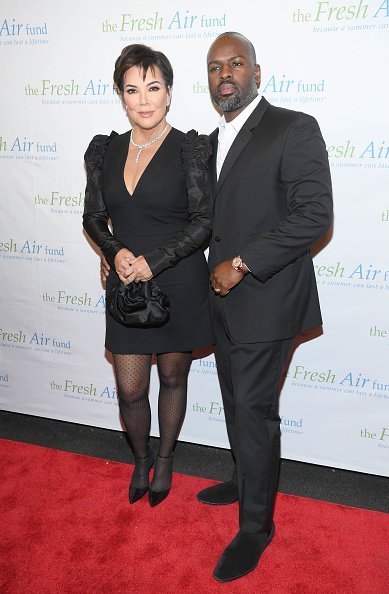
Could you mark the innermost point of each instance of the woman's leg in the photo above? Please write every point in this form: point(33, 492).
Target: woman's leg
point(133, 380)
point(173, 369)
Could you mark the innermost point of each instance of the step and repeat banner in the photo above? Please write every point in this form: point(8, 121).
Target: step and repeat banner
point(325, 58)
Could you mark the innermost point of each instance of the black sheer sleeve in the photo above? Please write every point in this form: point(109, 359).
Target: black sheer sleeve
point(95, 218)
point(196, 150)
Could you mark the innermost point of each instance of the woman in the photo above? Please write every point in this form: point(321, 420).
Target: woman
point(151, 183)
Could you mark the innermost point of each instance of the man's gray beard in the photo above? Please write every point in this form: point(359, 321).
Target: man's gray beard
point(235, 103)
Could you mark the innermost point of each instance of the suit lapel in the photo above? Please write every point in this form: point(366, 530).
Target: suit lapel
point(241, 141)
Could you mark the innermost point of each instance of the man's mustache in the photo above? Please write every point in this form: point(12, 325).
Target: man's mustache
point(226, 83)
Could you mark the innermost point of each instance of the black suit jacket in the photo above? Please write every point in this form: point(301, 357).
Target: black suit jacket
point(273, 200)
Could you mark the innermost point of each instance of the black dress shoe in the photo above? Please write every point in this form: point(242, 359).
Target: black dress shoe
point(221, 494)
point(242, 555)
point(141, 476)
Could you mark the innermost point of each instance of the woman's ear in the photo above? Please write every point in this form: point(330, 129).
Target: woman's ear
point(169, 96)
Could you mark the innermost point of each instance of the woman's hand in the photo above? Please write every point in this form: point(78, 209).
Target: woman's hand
point(123, 265)
point(139, 270)
point(104, 269)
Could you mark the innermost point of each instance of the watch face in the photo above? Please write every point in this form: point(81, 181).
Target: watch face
point(237, 263)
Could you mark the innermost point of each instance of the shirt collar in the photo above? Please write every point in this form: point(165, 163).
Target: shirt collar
point(237, 123)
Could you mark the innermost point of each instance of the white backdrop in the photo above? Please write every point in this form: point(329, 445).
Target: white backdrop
point(56, 68)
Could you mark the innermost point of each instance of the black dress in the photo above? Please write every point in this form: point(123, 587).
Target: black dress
point(167, 220)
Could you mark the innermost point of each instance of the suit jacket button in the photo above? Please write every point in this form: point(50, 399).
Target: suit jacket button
point(218, 238)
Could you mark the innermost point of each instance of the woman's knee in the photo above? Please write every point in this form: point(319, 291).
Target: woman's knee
point(173, 370)
point(132, 393)
point(172, 380)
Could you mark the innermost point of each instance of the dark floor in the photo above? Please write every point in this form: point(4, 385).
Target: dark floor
point(297, 478)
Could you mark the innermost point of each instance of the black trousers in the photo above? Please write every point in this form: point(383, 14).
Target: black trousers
point(250, 376)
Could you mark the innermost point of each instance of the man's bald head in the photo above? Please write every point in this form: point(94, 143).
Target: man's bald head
point(229, 34)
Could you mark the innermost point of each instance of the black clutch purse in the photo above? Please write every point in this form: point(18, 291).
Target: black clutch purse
point(138, 305)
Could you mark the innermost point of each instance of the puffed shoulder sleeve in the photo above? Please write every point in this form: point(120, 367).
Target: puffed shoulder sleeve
point(195, 152)
point(93, 158)
point(95, 218)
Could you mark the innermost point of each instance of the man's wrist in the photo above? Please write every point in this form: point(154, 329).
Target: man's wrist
point(238, 265)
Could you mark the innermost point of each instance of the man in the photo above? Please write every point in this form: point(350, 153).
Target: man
point(271, 200)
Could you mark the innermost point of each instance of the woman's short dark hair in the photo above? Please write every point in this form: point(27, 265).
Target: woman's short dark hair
point(144, 58)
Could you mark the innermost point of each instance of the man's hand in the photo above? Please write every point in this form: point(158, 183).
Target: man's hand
point(224, 278)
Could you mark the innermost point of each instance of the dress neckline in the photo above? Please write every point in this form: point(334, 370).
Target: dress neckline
point(152, 160)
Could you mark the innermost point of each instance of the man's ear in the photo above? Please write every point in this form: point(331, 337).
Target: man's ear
point(257, 75)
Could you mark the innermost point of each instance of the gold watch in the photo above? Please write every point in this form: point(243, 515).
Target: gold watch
point(238, 265)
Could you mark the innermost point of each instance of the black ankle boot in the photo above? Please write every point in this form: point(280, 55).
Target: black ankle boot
point(242, 555)
point(141, 475)
point(165, 478)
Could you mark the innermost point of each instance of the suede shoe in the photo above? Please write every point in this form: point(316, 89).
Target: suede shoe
point(140, 477)
point(221, 494)
point(242, 555)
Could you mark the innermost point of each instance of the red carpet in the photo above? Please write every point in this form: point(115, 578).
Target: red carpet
point(66, 527)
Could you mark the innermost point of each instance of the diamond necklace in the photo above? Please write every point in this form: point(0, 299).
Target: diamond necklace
point(147, 144)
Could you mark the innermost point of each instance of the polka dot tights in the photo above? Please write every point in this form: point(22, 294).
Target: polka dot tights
point(133, 381)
